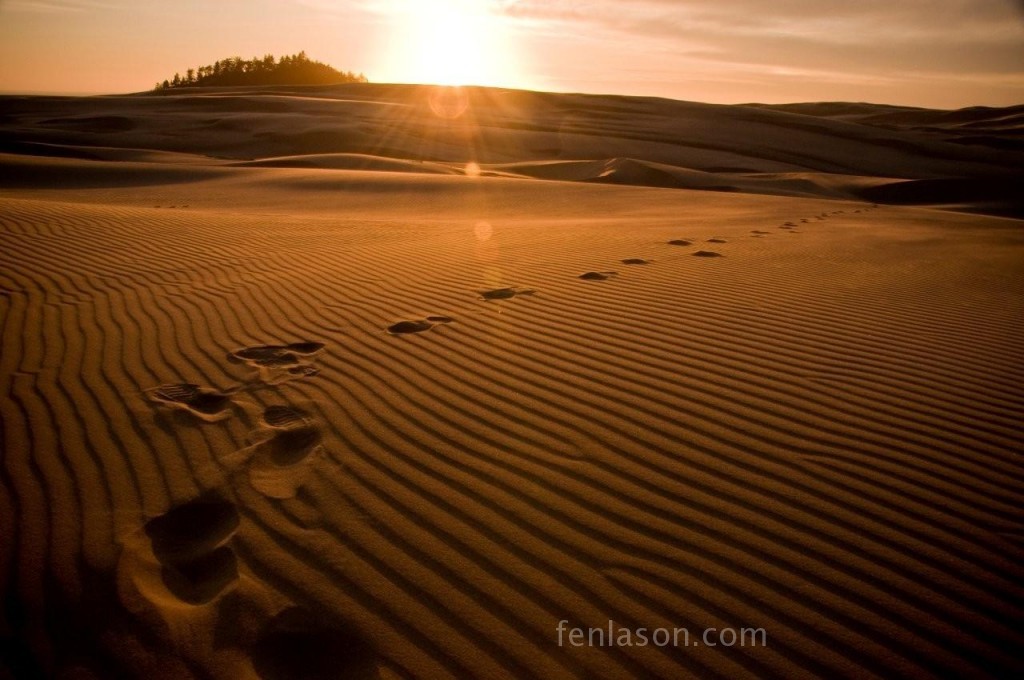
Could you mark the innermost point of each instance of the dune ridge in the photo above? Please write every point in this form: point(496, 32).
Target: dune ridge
point(425, 435)
point(830, 150)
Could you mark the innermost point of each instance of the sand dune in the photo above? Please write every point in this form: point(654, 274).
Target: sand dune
point(362, 414)
point(783, 150)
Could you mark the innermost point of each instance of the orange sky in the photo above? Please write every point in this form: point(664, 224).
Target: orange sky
point(938, 53)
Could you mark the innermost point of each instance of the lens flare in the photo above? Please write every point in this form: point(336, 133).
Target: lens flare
point(483, 230)
point(449, 102)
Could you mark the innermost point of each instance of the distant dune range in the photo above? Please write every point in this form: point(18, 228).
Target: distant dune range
point(969, 159)
point(326, 382)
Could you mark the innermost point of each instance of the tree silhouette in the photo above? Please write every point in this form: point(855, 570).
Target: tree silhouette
point(294, 69)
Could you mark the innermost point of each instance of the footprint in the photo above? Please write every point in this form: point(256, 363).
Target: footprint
point(707, 253)
point(293, 445)
point(405, 327)
point(717, 240)
point(190, 544)
point(504, 293)
point(284, 447)
point(279, 363)
point(789, 224)
point(284, 417)
point(202, 579)
point(298, 644)
point(759, 231)
point(680, 242)
point(277, 355)
point(635, 260)
point(597, 276)
point(204, 403)
point(417, 326)
point(193, 528)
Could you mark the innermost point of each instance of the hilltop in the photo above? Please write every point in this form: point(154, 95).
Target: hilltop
point(293, 69)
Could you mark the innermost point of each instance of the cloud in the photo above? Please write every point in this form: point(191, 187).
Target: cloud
point(876, 43)
point(755, 12)
point(867, 22)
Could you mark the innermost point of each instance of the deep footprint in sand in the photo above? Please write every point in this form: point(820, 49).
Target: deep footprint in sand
point(418, 326)
point(759, 232)
point(717, 240)
point(504, 293)
point(680, 242)
point(190, 543)
point(707, 253)
point(284, 446)
point(298, 644)
point(204, 578)
point(202, 402)
point(597, 276)
point(635, 260)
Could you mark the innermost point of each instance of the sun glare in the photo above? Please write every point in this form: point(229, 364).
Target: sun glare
point(449, 42)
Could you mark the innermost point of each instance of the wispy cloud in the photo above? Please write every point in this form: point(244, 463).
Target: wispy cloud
point(866, 43)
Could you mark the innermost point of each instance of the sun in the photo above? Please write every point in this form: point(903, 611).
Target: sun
point(449, 42)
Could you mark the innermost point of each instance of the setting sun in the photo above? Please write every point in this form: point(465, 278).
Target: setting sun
point(449, 42)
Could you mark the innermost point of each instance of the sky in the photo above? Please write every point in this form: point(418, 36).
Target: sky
point(933, 53)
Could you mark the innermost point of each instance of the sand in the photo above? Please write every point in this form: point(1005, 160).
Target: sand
point(319, 383)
